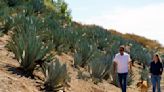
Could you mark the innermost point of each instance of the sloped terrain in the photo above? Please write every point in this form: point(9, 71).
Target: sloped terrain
point(12, 80)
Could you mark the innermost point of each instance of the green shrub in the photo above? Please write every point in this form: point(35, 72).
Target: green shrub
point(63, 37)
point(102, 38)
point(27, 45)
point(100, 66)
point(7, 24)
point(140, 54)
point(84, 53)
point(56, 75)
point(145, 75)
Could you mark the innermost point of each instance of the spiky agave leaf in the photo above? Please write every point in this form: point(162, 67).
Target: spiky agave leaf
point(84, 52)
point(27, 45)
point(56, 75)
point(140, 54)
point(144, 75)
point(100, 65)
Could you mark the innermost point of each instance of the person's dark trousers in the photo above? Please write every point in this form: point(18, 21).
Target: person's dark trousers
point(122, 80)
point(155, 79)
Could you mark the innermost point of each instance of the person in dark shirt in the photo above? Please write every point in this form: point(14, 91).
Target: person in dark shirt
point(156, 69)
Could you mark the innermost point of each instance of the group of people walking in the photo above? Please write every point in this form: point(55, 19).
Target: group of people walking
point(123, 65)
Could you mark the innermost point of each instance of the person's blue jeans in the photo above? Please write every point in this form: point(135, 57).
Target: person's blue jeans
point(122, 81)
point(155, 79)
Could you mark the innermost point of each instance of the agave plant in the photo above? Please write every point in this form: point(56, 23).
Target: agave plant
point(72, 38)
point(100, 66)
point(7, 24)
point(144, 75)
point(37, 5)
point(84, 53)
point(56, 75)
point(5, 17)
point(27, 45)
point(63, 38)
point(60, 39)
point(101, 37)
point(140, 54)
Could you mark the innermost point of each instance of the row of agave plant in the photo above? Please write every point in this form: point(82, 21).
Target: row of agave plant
point(32, 46)
point(35, 36)
point(31, 40)
point(31, 50)
point(100, 60)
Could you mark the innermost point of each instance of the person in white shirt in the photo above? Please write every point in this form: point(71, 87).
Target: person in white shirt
point(122, 62)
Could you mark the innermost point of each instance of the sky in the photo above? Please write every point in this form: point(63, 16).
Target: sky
point(141, 17)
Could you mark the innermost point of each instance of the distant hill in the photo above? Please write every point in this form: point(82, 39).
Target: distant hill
point(148, 43)
point(152, 44)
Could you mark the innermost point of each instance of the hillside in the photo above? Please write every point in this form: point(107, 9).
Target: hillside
point(43, 50)
point(11, 79)
point(152, 44)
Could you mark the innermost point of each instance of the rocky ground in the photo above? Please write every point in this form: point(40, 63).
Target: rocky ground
point(11, 80)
